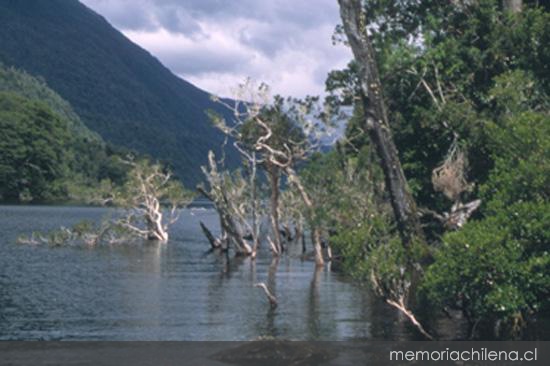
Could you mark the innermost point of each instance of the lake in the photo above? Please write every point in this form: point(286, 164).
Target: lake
point(173, 291)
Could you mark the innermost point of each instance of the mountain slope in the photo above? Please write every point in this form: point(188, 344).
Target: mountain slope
point(46, 153)
point(23, 84)
point(118, 89)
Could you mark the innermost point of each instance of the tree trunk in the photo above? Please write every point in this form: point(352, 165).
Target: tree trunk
point(317, 245)
point(235, 234)
point(274, 177)
point(514, 6)
point(376, 120)
point(155, 228)
point(315, 231)
point(229, 227)
point(215, 243)
point(255, 224)
point(303, 240)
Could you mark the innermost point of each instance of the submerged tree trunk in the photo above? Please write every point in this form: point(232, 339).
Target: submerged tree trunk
point(302, 237)
point(274, 178)
point(231, 219)
point(376, 119)
point(255, 213)
point(215, 243)
point(315, 230)
point(236, 236)
point(155, 229)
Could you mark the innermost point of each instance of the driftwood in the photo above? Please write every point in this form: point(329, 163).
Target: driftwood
point(400, 305)
point(395, 295)
point(270, 297)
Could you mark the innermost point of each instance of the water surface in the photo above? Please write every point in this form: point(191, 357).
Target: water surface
point(171, 292)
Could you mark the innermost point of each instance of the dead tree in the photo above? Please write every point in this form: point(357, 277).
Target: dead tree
point(147, 188)
point(396, 296)
point(315, 229)
point(148, 203)
point(215, 243)
point(254, 206)
point(265, 128)
point(228, 193)
point(274, 173)
point(285, 157)
point(291, 213)
point(377, 122)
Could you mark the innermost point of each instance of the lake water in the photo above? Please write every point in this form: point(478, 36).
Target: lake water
point(172, 291)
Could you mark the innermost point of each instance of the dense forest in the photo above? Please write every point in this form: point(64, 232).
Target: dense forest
point(46, 152)
point(466, 86)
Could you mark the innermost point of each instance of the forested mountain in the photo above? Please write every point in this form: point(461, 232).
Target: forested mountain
point(19, 82)
point(118, 89)
point(46, 153)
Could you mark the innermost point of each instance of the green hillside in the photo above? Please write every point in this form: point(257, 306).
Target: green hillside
point(46, 153)
point(118, 89)
point(19, 82)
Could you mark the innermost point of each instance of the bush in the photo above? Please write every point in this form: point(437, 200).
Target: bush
point(496, 269)
point(521, 151)
point(355, 245)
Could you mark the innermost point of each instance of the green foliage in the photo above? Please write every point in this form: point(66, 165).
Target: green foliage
point(46, 153)
point(33, 150)
point(389, 266)
point(443, 66)
point(472, 71)
point(350, 202)
point(521, 150)
point(497, 268)
point(23, 84)
point(358, 246)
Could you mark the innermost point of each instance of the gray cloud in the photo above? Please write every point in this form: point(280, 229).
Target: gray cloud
point(203, 62)
point(215, 42)
point(177, 20)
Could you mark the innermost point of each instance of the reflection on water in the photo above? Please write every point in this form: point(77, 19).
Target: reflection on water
point(172, 292)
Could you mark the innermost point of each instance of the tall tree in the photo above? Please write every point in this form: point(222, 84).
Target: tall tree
point(376, 120)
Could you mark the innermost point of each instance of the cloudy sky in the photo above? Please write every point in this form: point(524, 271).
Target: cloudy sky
point(216, 44)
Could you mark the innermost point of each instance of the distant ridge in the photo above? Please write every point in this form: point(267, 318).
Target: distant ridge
point(118, 89)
